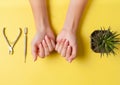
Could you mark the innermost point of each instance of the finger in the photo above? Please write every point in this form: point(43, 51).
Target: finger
point(46, 50)
point(53, 43)
point(73, 55)
point(63, 52)
point(41, 51)
point(61, 46)
point(57, 45)
point(34, 52)
point(49, 43)
point(68, 52)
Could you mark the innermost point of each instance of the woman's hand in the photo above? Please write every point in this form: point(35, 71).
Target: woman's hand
point(67, 45)
point(43, 43)
point(66, 40)
point(44, 40)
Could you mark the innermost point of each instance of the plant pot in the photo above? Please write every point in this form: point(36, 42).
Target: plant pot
point(94, 44)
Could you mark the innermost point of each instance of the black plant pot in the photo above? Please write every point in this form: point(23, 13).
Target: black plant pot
point(94, 44)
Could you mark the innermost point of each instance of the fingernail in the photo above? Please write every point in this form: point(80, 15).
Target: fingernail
point(44, 41)
point(66, 42)
point(69, 61)
point(45, 36)
point(34, 59)
point(55, 48)
point(68, 47)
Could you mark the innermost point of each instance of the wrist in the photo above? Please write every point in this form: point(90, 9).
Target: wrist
point(71, 23)
point(70, 27)
point(42, 25)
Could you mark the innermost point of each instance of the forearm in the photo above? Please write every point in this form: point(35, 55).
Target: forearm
point(74, 13)
point(40, 13)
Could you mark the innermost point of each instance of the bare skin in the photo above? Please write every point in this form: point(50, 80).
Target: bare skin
point(66, 40)
point(44, 40)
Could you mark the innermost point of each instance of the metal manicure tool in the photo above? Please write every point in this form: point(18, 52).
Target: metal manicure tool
point(25, 43)
point(11, 46)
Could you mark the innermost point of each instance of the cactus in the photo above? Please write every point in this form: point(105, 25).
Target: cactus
point(105, 41)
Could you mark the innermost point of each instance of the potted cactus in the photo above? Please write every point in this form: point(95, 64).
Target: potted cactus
point(104, 41)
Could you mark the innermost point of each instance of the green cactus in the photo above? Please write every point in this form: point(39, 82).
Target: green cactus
point(104, 41)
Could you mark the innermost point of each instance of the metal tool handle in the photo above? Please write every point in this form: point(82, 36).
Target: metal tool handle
point(25, 43)
point(8, 42)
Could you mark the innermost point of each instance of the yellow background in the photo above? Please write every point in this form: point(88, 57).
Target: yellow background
point(87, 69)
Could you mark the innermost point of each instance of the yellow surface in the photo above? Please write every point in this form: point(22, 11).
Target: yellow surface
point(87, 69)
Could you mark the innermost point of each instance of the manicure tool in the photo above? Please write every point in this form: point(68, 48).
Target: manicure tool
point(25, 43)
point(11, 46)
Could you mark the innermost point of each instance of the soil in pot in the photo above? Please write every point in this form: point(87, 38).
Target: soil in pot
point(95, 43)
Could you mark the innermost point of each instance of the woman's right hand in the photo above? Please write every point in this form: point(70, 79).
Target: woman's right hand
point(43, 43)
